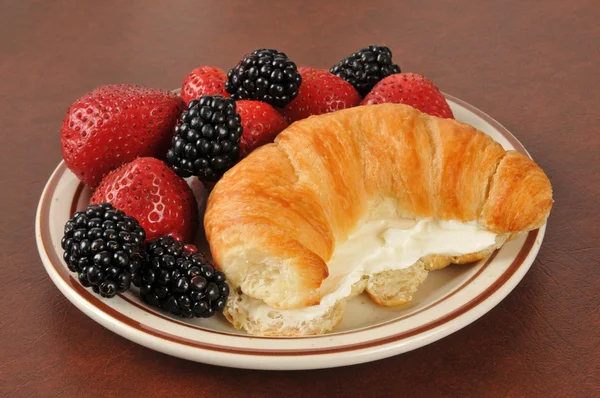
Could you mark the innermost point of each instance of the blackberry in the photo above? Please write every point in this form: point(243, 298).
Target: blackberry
point(178, 279)
point(265, 75)
point(206, 142)
point(104, 247)
point(366, 67)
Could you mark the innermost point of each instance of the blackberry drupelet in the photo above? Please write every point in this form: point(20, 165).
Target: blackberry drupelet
point(206, 142)
point(366, 67)
point(104, 247)
point(178, 279)
point(265, 75)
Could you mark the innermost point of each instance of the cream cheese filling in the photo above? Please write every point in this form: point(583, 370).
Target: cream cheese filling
point(378, 246)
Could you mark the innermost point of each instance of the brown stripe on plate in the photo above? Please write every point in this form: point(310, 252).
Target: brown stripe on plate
point(76, 198)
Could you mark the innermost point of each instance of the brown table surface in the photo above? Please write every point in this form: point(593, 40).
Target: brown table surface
point(534, 66)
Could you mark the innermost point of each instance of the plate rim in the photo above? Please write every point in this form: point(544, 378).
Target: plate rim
point(483, 302)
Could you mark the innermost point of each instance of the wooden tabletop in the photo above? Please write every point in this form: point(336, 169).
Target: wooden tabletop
point(534, 66)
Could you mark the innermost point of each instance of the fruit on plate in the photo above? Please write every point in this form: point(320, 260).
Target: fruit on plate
point(205, 80)
point(266, 75)
point(320, 92)
point(104, 247)
point(207, 138)
point(115, 124)
point(410, 89)
point(116, 137)
point(178, 279)
point(150, 191)
point(260, 122)
point(366, 67)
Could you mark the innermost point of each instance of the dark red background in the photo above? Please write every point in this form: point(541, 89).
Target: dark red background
point(534, 66)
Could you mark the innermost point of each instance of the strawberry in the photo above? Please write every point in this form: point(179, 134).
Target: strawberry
point(149, 191)
point(261, 123)
point(115, 124)
point(410, 89)
point(205, 80)
point(320, 92)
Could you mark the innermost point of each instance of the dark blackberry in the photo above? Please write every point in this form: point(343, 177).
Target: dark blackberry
point(206, 142)
point(265, 75)
point(178, 279)
point(104, 247)
point(366, 67)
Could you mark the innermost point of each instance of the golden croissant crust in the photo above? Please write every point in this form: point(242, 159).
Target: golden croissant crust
point(274, 219)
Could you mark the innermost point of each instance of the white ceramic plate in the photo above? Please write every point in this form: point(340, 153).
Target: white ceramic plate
point(449, 299)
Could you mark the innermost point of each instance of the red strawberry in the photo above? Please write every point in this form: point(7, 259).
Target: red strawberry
point(261, 123)
point(410, 89)
point(320, 92)
point(115, 124)
point(205, 80)
point(148, 190)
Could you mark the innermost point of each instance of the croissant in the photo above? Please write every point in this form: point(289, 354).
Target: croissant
point(274, 220)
